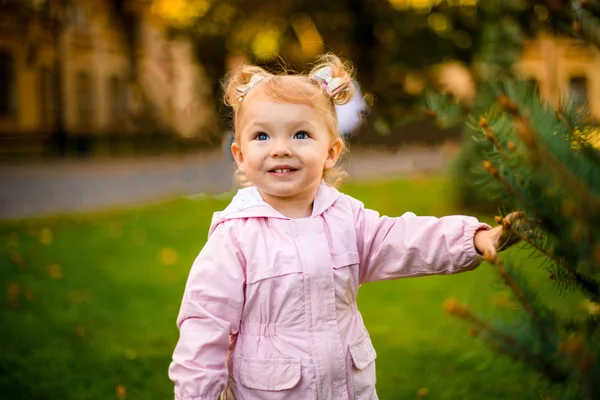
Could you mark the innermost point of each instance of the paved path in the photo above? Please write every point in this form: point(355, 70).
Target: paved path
point(43, 188)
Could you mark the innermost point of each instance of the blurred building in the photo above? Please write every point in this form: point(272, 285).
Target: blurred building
point(561, 67)
point(75, 68)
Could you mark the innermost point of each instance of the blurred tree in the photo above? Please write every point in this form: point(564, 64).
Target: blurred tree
point(392, 42)
point(542, 160)
point(126, 15)
point(504, 26)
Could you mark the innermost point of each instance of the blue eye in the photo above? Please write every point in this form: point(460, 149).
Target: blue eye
point(301, 135)
point(261, 136)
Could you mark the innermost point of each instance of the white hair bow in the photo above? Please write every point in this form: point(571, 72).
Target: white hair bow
point(330, 84)
point(243, 89)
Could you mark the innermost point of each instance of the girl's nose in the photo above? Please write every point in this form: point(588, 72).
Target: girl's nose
point(281, 148)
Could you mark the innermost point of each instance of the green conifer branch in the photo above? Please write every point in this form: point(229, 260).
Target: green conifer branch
point(493, 171)
point(588, 285)
point(512, 283)
point(543, 361)
point(529, 137)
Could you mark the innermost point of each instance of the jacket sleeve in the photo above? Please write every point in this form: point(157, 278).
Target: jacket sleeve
point(411, 246)
point(211, 310)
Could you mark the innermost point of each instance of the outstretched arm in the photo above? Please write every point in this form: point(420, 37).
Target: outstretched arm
point(410, 246)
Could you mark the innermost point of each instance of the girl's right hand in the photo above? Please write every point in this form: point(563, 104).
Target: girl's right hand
point(500, 238)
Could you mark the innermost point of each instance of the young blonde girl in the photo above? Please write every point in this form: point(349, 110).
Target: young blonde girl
point(269, 309)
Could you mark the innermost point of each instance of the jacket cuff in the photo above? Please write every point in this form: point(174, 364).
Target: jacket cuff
point(474, 258)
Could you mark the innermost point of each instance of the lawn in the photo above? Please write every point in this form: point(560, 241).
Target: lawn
point(90, 303)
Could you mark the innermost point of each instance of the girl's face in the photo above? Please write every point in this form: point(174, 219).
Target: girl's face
point(283, 148)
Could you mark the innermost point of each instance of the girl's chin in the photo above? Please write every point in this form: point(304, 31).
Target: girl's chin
point(281, 191)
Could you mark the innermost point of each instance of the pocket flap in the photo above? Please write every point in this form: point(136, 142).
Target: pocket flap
point(256, 272)
point(269, 374)
point(362, 351)
point(345, 259)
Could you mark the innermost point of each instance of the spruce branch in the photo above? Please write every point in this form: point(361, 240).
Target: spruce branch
point(588, 285)
point(490, 135)
point(493, 171)
point(574, 348)
point(510, 281)
point(506, 343)
point(525, 233)
point(529, 137)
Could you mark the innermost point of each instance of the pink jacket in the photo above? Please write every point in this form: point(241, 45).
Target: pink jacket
point(276, 297)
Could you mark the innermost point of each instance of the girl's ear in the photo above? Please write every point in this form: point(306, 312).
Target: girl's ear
point(236, 150)
point(334, 153)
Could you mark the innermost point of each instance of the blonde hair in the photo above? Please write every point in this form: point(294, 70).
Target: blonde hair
point(299, 90)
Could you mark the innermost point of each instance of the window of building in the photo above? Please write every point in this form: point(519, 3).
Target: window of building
point(84, 95)
point(44, 8)
point(117, 101)
point(47, 97)
point(79, 20)
point(578, 90)
point(8, 95)
point(534, 85)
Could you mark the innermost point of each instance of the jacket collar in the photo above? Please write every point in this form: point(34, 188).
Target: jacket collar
point(248, 203)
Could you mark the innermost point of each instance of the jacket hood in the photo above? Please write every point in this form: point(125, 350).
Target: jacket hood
point(248, 203)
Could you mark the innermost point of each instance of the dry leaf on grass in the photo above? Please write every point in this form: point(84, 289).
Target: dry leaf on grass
point(55, 271)
point(46, 236)
point(168, 256)
point(121, 391)
point(16, 258)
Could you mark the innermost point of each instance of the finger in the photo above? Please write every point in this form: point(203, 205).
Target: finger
point(513, 218)
point(510, 225)
point(508, 237)
point(489, 254)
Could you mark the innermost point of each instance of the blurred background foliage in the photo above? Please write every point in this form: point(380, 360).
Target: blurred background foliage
point(401, 49)
point(395, 44)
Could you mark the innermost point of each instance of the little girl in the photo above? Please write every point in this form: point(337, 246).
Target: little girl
point(269, 309)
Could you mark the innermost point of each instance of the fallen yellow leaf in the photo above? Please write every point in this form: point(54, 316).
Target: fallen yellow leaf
point(13, 292)
point(121, 391)
point(80, 330)
point(46, 236)
point(55, 271)
point(424, 392)
point(15, 257)
point(14, 289)
point(168, 256)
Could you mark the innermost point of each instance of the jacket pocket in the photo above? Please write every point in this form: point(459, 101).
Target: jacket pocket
point(346, 272)
point(364, 377)
point(345, 260)
point(269, 374)
point(362, 351)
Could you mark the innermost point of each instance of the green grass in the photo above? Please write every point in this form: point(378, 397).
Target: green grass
point(89, 305)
